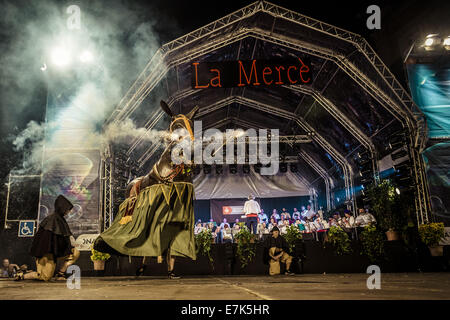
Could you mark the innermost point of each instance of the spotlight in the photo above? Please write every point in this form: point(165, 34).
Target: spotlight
point(246, 168)
point(257, 167)
point(283, 167)
point(431, 42)
point(397, 191)
point(219, 169)
point(86, 57)
point(60, 57)
point(447, 43)
point(233, 169)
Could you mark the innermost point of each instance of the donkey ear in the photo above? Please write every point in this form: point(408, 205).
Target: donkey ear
point(166, 108)
point(192, 113)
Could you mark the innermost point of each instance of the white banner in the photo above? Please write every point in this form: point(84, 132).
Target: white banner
point(232, 210)
point(85, 241)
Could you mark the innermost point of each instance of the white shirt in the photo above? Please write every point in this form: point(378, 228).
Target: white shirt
point(222, 225)
point(320, 213)
point(227, 233)
point(303, 213)
point(251, 206)
point(364, 219)
point(283, 229)
point(310, 213)
point(318, 225)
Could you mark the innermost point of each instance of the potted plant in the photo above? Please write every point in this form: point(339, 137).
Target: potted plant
point(292, 237)
point(431, 234)
point(246, 249)
point(99, 259)
point(339, 240)
point(203, 242)
point(372, 243)
point(384, 201)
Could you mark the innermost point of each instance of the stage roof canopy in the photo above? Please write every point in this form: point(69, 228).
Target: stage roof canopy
point(353, 103)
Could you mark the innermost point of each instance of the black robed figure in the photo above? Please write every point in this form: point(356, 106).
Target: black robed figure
point(54, 233)
point(157, 216)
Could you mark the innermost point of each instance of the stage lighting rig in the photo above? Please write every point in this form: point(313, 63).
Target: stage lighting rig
point(432, 42)
point(60, 57)
point(446, 43)
point(397, 140)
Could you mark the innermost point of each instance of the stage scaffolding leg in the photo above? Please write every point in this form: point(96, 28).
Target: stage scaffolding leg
point(107, 193)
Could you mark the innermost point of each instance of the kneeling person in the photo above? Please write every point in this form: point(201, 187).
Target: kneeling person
point(276, 248)
point(52, 244)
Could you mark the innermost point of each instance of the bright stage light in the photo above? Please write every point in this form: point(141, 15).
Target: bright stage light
point(429, 42)
point(447, 43)
point(60, 57)
point(86, 57)
point(432, 41)
point(397, 191)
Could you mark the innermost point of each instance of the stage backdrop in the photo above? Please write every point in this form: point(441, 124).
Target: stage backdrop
point(430, 87)
point(74, 174)
point(240, 185)
point(437, 160)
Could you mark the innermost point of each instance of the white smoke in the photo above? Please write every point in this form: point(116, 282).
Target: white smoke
point(121, 42)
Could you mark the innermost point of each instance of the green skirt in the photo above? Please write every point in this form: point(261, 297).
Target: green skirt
point(162, 219)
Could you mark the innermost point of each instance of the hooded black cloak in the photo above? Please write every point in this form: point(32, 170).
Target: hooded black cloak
point(271, 242)
point(53, 235)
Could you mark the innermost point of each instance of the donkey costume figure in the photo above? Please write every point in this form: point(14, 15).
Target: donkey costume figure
point(157, 216)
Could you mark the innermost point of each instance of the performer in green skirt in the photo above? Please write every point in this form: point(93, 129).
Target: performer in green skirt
point(157, 217)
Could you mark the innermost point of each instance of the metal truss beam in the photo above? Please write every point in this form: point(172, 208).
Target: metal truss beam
point(344, 121)
point(396, 100)
point(355, 74)
point(329, 184)
point(107, 193)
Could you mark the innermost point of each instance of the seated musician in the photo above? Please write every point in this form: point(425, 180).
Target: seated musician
point(276, 248)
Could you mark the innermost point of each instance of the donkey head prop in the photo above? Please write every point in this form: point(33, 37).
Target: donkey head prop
point(164, 171)
point(180, 121)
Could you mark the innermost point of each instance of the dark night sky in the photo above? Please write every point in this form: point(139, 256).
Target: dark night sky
point(402, 23)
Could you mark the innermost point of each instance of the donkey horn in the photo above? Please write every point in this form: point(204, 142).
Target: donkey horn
point(192, 113)
point(166, 108)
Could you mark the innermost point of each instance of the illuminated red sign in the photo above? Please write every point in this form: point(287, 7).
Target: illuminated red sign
point(227, 74)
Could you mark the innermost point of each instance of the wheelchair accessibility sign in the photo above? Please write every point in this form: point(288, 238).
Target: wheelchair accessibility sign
point(26, 228)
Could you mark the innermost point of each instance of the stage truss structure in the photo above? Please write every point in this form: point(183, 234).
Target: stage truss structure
point(395, 99)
